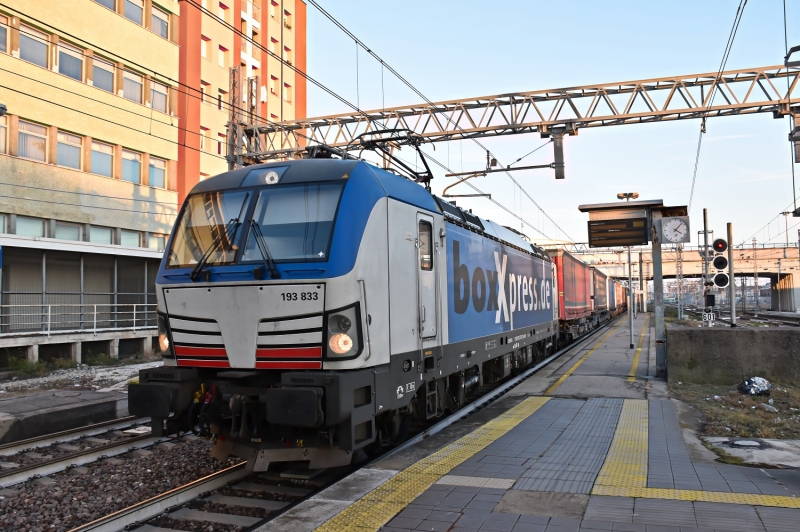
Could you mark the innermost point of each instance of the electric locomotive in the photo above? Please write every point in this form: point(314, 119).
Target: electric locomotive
point(309, 309)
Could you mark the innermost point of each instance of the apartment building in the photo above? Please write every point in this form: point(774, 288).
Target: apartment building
point(261, 37)
point(88, 159)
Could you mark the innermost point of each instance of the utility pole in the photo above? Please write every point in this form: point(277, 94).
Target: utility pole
point(778, 285)
point(731, 282)
point(755, 274)
point(679, 277)
point(705, 258)
point(642, 288)
point(786, 219)
point(631, 302)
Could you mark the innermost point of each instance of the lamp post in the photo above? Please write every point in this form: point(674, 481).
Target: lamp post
point(627, 196)
point(786, 219)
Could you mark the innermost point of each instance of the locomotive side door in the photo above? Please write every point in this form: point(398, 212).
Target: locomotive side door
point(426, 277)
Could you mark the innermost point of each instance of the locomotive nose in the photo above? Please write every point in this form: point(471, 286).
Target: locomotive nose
point(247, 326)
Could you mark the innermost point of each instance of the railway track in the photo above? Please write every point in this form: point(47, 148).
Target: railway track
point(235, 500)
point(52, 453)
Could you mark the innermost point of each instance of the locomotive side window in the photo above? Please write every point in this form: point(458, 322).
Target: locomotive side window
point(425, 246)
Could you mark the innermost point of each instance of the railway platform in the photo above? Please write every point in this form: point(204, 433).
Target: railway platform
point(591, 442)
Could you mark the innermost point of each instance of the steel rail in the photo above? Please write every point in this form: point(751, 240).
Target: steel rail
point(152, 507)
point(71, 435)
point(24, 473)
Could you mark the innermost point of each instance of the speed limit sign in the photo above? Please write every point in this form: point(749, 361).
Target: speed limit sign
point(708, 316)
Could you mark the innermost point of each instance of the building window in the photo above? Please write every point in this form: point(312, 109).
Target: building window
point(100, 235)
point(203, 138)
point(70, 61)
point(273, 85)
point(158, 96)
point(287, 19)
point(131, 166)
point(287, 92)
point(134, 10)
point(287, 54)
point(130, 239)
point(221, 97)
point(221, 140)
point(273, 45)
point(156, 242)
point(158, 173)
point(108, 3)
point(30, 226)
point(204, 44)
point(103, 74)
point(222, 58)
point(3, 34)
point(2, 223)
point(203, 91)
point(272, 8)
point(132, 87)
point(32, 141)
point(3, 133)
point(160, 23)
point(33, 46)
point(223, 12)
point(102, 159)
point(68, 231)
point(69, 150)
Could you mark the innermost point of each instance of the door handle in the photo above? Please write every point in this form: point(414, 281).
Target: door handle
point(423, 314)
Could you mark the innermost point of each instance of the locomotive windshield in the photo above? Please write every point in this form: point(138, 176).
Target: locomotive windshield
point(209, 229)
point(293, 222)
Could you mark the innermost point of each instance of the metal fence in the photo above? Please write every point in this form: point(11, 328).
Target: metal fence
point(67, 318)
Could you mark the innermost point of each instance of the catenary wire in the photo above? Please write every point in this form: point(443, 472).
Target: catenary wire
point(728, 46)
point(419, 93)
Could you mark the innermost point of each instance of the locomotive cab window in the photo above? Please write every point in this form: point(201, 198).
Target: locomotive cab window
point(295, 222)
point(425, 246)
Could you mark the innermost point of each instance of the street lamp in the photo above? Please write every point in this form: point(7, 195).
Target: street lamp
point(627, 196)
point(2, 109)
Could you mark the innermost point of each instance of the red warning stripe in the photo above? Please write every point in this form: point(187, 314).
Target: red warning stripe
point(289, 352)
point(297, 364)
point(205, 352)
point(204, 363)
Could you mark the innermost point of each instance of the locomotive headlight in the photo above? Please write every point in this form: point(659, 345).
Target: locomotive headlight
point(343, 328)
point(164, 343)
point(341, 344)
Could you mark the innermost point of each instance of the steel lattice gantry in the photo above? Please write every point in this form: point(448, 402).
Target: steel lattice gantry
point(565, 110)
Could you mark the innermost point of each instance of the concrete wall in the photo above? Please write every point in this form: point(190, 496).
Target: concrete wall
point(728, 356)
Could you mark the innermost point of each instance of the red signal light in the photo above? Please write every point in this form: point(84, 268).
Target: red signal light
point(719, 246)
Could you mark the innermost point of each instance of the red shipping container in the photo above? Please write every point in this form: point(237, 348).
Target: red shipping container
point(574, 286)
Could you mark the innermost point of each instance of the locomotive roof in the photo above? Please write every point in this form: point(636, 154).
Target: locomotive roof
point(395, 186)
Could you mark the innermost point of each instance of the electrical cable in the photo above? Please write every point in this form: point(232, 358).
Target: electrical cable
point(728, 46)
point(417, 91)
point(88, 194)
point(789, 107)
point(87, 206)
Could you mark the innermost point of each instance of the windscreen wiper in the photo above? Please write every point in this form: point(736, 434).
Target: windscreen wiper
point(232, 223)
point(261, 243)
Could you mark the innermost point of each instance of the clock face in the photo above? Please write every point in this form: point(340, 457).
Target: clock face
point(675, 230)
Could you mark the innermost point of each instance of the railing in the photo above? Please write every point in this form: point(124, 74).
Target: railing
point(73, 318)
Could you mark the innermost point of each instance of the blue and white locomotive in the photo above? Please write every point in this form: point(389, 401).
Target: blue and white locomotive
point(312, 308)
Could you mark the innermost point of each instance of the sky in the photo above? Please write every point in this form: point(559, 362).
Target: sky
point(457, 49)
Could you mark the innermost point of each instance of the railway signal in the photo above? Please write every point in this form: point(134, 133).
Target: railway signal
point(720, 263)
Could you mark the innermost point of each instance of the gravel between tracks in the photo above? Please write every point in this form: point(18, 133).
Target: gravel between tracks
point(73, 499)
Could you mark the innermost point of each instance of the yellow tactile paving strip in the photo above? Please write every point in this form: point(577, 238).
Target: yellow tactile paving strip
point(571, 370)
point(624, 472)
point(377, 507)
point(632, 372)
